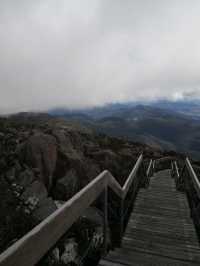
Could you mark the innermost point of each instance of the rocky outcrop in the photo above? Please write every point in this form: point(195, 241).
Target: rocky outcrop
point(36, 189)
point(40, 151)
point(14, 221)
point(67, 186)
point(36, 201)
point(66, 147)
point(25, 178)
point(43, 163)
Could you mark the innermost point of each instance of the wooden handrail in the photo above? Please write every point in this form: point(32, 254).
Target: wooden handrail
point(187, 166)
point(176, 169)
point(193, 176)
point(129, 181)
point(34, 245)
point(151, 166)
point(188, 182)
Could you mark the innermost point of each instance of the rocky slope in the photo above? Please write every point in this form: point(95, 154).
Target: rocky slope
point(44, 161)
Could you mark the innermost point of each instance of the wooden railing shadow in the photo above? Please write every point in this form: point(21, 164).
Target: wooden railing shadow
point(33, 246)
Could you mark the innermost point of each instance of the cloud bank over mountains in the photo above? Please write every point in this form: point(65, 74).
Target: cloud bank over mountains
point(86, 53)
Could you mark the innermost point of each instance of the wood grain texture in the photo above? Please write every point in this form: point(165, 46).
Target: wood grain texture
point(160, 231)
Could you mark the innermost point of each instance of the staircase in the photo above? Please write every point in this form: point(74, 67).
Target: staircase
point(160, 230)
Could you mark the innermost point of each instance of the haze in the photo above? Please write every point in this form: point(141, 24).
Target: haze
point(87, 53)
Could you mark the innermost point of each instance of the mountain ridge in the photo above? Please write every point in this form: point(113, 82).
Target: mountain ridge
point(165, 128)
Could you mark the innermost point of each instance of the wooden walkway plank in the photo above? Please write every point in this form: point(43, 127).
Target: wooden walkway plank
point(160, 230)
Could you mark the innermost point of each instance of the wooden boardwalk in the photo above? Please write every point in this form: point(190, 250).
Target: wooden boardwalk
point(160, 231)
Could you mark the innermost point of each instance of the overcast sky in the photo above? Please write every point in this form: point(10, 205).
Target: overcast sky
point(82, 53)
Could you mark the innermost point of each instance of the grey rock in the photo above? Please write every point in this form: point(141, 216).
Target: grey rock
point(67, 186)
point(53, 257)
point(44, 208)
point(25, 178)
point(90, 147)
point(18, 167)
point(10, 175)
point(65, 144)
point(36, 189)
point(59, 203)
point(2, 135)
point(93, 214)
point(3, 164)
point(104, 155)
point(70, 253)
point(40, 151)
point(92, 170)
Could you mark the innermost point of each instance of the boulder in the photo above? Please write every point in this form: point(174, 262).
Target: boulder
point(44, 208)
point(107, 159)
point(18, 167)
point(70, 253)
point(52, 258)
point(126, 153)
point(59, 203)
point(93, 215)
point(65, 144)
point(3, 164)
point(2, 135)
point(37, 203)
point(90, 147)
point(67, 186)
point(10, 175)
point(36, 189)
point(40, 151)
point(103, 155)
point(13, 222)
point(25, 178)
point(91, 170)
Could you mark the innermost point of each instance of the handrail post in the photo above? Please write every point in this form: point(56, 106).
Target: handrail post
point(172, 169)
point(121, 221)
point(149, 171)
point(192, 190)
point(177, 170)
point(153, 165)
point(179, 177)
point(105, 229)
point(153, 162)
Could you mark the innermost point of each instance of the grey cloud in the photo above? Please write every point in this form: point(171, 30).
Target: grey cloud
point(85, 53)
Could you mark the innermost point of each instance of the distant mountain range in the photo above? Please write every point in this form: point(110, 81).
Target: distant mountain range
point(188, 108)
point(163, 124)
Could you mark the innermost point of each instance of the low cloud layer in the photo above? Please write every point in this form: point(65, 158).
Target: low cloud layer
point(86, 53)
